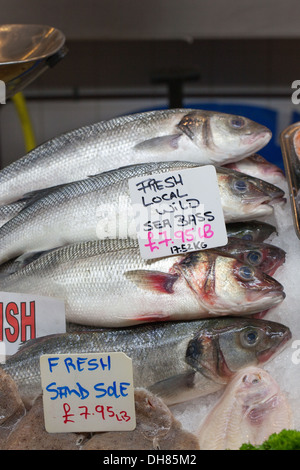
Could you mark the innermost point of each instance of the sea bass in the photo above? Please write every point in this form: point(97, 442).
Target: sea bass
point(176, 360)
point(107, 283)
point(268, 258)
point(100, 206)
point(184, 134)
point(258, 167)
point(251, 408)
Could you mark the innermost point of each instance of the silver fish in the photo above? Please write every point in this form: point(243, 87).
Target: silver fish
point(177, 361)
point(107, 283)
point(251, 408)
point(184, 134)
point(100, 206)
point(268, 258)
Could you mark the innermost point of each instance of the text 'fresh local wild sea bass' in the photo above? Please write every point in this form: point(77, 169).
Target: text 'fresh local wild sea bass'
point(177, 361)
point(204, 137)
point(107, 283)
point(89, 209)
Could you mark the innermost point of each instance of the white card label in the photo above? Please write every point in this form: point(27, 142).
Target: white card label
point(178, 211)
point(28, 316)
point(88, 392)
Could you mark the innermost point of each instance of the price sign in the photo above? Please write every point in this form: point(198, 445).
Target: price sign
point(178, 212)
point(88, 392)
point(28, 316)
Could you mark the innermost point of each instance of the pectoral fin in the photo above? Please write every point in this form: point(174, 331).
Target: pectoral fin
point(152, 280)
point(160, 144)
point(174, 389)
point(184, 387)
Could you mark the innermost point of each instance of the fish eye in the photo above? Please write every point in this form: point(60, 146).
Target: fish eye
point(248, 237)
point(237, 122)
point(249, 338)
point(240, 186)
point(254, 257)
point(255, 381)
point(246, 273)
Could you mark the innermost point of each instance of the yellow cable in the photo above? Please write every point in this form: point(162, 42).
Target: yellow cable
point(28, 134)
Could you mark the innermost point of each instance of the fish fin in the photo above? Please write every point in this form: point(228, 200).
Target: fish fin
point(261, 314)
point(153, 317)
point(173, 389)
point(33, 196)
point(27, 258)
point(153, 280)
point(166, 142)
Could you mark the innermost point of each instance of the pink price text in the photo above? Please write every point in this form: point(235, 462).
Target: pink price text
point(188, 235)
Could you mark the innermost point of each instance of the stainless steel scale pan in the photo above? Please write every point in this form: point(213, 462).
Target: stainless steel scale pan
point(26, 51)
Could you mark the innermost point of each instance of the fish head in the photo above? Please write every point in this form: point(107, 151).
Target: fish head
point(252, 230)
point(251, 289)
point(253, 386)
point(224, 284)
point(267, 258)
point(226, 345)
point(266, 169)
point(257, 166)
point(226, 135)
point(264, 256)
point(245, 197)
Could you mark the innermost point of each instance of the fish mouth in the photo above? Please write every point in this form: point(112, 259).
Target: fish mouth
point(265, 355)
point(263, 205)
point(257, 200)
point(269, 190)
point(278, 172)
point(266, 300)
point(264, 136)
point(260, 207)
point(278, 200)
point(272, 268)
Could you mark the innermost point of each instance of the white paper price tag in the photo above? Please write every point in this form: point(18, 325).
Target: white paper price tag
point(88, 392)
point(28, 316)
point(178, 212)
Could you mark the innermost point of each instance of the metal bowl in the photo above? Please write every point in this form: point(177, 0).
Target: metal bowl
point(26, 51)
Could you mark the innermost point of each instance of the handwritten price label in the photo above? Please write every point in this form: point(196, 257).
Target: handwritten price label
point(88, 392)
point(178, 211)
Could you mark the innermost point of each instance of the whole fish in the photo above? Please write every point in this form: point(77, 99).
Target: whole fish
point(176, 360)
point(258, 167)
point(251, 408)
point(268, 258)
point(107, 283)
point(184, 134)
point(91, 208)
point(252, 230)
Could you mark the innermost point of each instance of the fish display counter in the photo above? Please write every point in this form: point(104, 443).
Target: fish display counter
point(211, 332)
